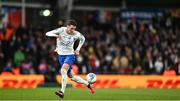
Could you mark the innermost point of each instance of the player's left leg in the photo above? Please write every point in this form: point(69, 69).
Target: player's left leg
point(78, 79)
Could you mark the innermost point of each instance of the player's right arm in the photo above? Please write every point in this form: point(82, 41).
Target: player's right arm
point(53, 33)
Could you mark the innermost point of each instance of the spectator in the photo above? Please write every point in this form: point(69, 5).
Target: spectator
point(7, 70)
point(159, 65)
point(169, 72)
point(8, 67)
point(26, 67)
point(16, 70)
point(43, 67)
point(116, 64)
point(138, 70)
point(19, 56)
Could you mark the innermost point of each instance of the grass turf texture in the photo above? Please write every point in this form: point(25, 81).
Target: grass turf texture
point(84, 94)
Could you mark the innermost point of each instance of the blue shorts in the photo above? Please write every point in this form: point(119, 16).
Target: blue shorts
point(69, 59)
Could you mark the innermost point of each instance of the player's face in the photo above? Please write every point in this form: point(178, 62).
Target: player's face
point(71, 28)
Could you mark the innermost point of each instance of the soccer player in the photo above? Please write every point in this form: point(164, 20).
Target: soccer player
point(66, 36)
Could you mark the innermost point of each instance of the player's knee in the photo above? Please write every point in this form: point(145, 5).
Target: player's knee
point(65, 66)
point(70, 76)
point(63, 71)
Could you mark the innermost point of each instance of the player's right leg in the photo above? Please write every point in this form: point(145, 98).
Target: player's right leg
point(64, 70)
point(90, 88)
point(66, 61)
point(78, 79)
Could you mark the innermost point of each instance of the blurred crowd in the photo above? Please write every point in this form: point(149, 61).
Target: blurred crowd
point(114, 46)
point(131, 47)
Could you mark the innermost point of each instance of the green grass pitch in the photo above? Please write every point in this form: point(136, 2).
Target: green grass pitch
point(84, 94)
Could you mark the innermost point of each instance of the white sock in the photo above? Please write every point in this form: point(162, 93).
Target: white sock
point(64, 79)
point(78, 79)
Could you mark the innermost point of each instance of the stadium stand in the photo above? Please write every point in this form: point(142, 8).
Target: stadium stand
point(113, 46)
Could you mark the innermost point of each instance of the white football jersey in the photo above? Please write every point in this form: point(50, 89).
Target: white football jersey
point(65, 44)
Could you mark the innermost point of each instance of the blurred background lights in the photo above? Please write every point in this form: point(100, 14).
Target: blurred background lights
point(45, 12)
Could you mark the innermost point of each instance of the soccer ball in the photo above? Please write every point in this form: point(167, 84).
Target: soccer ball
point(91, 78)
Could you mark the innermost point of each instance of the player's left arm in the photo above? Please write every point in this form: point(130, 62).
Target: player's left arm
point(81, 42)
